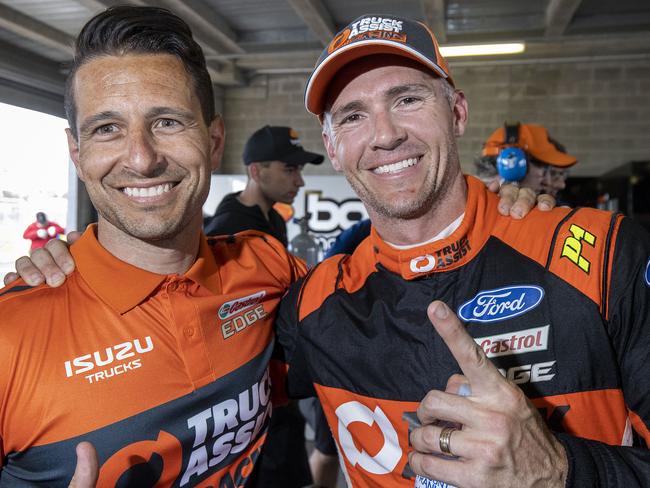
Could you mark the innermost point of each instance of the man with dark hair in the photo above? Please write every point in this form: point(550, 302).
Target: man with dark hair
point(274, 159)
point(117, 32)
point(157, 348)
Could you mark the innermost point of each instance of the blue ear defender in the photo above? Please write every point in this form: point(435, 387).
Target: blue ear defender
point(512, 162)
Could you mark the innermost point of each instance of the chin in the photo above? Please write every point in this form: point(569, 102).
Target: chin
point(152, 231)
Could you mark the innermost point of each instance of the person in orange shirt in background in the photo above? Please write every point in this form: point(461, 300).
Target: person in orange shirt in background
point(525, 153)
point(42, 231)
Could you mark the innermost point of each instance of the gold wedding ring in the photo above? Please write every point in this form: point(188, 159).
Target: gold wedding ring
point(445, 438)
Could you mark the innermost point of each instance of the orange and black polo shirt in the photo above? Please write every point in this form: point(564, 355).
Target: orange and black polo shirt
point(167, 375)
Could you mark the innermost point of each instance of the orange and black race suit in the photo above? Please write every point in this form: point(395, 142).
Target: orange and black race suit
point(559, 301)
point(167, 375)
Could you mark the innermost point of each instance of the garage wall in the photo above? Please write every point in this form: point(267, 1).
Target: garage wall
point(599, 110)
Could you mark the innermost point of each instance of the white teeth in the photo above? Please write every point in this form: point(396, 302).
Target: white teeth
point(394, 167)
point(150, 191)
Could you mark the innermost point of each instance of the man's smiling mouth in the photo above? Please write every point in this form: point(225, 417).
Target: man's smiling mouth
point(150, 191)
point(395, 167)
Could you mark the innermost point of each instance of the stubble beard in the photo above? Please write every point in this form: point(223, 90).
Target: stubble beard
point(430, 198)
point(145, 229)
point(151, 228)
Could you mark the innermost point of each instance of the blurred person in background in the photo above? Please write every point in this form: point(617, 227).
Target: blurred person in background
point(42, 231)
point(541, 162)
point(274, 159)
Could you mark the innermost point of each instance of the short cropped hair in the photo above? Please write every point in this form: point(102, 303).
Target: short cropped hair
point(125, 29)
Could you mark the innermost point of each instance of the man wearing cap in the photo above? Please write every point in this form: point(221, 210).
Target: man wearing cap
point(274, 159)
point(553, 347)
point(545, 163)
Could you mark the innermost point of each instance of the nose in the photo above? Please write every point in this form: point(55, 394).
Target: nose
point(388, 134)
point(142, 156)
point(299, 182)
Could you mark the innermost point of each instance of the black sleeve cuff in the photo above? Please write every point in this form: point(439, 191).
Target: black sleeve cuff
point(583, 470)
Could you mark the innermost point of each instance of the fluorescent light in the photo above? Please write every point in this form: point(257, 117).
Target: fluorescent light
point(482, 49)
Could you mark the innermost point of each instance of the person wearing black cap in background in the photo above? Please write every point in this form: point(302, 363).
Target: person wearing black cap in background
point(274, 159)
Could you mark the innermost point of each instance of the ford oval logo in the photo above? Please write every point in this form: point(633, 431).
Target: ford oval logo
point(647, 273)
point(501, 304)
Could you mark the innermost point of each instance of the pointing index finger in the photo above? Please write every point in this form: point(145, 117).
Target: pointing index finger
point(470, 357)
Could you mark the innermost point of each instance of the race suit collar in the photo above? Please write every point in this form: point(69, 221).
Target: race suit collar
point(449, 253)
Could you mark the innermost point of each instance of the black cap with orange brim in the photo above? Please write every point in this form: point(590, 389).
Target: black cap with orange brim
point(369, 35)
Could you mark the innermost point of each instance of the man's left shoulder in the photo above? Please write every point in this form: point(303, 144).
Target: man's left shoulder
point(574, 244)
point(582, 250)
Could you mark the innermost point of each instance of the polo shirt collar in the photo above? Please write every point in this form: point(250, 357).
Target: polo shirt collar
point(123, 286)
point(205, 271)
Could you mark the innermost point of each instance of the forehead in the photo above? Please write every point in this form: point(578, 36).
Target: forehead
point(377, 72)
point(111, 81)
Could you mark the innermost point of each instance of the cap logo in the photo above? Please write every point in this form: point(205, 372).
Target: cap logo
point(369, 28)
point(293, 138)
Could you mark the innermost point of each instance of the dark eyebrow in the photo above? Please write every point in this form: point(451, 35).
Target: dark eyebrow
point(158, 111)
point(152, 114)
point(94, 119)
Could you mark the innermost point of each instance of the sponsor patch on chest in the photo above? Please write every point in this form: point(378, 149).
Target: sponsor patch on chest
point(232, 307)
point(110, 361)
point(501, 304)
point(517, 342)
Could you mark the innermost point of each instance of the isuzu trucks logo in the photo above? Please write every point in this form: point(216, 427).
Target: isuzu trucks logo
point(501, 304)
